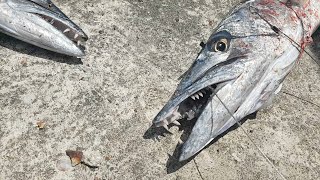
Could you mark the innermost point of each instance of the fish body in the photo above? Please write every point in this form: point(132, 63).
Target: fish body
point(41, 23)
point(240, 69)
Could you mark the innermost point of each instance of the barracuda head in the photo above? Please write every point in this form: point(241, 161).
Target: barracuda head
point(41, 23)
point(238, 71)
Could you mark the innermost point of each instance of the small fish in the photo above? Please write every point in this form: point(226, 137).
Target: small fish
point(41, 23)
point(240, 68)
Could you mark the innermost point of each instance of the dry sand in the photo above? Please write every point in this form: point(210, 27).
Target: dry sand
point(104, 103)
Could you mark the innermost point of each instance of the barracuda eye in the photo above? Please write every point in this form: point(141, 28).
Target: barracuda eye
point(219, 42)
point(221, 45)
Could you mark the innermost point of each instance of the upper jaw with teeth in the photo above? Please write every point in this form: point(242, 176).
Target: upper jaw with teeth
point(75, 34)
point(188, 109)
point(197, 95)
point(184, 106)
point(191, 96)
point(41, 23)
point(189, 102)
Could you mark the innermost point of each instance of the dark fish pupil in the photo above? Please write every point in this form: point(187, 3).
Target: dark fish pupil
point(221, 46)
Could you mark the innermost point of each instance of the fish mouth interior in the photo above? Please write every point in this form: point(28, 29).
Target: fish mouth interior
point(68, 31)
point(191, 107)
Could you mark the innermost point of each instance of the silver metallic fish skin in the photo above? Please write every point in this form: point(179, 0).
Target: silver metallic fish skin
point(41, 23)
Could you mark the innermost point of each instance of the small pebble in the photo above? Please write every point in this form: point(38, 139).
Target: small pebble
point(64, 164)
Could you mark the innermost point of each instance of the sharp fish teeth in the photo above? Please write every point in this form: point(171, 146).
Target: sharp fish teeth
point(52, 21)
point(176, 114)
point(165, 122)
point(66, 30)
point(200, 94)
point(194, 98)
point(78, 43)
point(75, 36)
point(166, 127)
point(176, 123)
point(197, 96)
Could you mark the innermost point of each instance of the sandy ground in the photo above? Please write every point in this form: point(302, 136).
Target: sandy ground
point(104, 103)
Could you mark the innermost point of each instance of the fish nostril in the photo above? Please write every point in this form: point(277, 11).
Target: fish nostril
point(84, 37)
point(202, 44)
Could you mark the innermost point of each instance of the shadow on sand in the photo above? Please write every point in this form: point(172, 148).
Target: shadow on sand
point(25, 48)
point(315, 46)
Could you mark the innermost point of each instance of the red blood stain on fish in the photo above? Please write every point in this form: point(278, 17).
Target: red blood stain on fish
point(270, 12)
point(266, 2)
point(305, 42)
point(294, 18)
point(307, 4)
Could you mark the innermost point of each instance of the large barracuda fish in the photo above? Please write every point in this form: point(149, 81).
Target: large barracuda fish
point(240, 68)
point(41, 23)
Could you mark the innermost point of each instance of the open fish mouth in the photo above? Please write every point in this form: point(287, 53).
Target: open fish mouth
point(41, 23)
point(190, 98)
point(190, 106)
point(194, 101)
point(76, 36)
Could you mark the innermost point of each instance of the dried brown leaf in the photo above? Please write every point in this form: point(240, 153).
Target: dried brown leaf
point(75, 157)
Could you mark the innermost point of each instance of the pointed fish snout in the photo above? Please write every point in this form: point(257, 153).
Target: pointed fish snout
point(41, 23)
